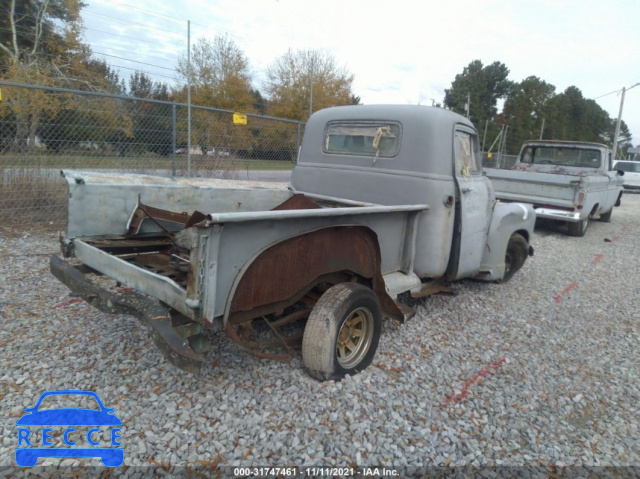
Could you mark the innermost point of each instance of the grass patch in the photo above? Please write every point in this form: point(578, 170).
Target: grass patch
point(139, 163)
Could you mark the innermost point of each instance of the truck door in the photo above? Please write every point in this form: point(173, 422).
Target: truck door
point(473, 217)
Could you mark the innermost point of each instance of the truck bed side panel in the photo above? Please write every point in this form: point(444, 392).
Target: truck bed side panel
point(102, 203)
point(383, 186)
point(241, 242)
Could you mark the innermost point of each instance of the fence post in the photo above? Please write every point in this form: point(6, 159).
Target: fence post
point(298, 141)
point(173, 139)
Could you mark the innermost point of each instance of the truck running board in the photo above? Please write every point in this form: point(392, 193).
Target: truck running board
point(181, 348)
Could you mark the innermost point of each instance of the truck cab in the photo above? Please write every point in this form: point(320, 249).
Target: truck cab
point(406, 154)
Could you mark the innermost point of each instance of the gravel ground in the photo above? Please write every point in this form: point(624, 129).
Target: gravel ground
point(540, 371)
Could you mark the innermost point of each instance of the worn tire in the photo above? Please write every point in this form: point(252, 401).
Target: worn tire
point(515, 256)
point(579, 228)
point(606, 217)
point(342, 332)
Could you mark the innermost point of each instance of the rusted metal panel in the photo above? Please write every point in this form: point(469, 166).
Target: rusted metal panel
point(297, 202)
point(155, 316)
point(281, 271)
point(163, 218)
point(165, 289)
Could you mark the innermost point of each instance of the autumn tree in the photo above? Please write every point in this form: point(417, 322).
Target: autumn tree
point(220, 78)
point(292, 77)
point(220, 75)
point(41, 44)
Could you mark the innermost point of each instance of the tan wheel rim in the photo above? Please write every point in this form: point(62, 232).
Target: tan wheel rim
point(354, 338)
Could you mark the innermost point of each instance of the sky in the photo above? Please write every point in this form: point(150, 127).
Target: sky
point(399, 51)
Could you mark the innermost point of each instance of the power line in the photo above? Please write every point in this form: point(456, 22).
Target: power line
point(607, 94)
point(26, 30)
point(124, 36)
point(182, 20)
point(145, 71)
point(133, 23)
point(102, 47)
point(134, 61)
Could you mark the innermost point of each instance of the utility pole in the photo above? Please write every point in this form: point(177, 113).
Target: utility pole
point(486, 125)
point(189, 98)
point(617, 133)
point(468, 105)
point(542, 128)
point(311, 97)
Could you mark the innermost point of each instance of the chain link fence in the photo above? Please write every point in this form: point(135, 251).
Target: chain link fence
point(44, 130)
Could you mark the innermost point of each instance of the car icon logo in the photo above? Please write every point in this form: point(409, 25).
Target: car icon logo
point(70, 418)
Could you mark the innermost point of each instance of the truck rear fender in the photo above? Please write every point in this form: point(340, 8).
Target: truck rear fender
point(507, 219)
point(281, 274)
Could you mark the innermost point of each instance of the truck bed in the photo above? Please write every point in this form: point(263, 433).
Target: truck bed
point(556, 187)
point(189, 258)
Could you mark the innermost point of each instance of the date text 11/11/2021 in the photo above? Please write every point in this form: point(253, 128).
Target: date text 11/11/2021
point(317, 471)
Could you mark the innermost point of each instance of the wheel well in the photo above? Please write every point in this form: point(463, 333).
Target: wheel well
point(524, 234)
point(594, 209)
point(282, 274)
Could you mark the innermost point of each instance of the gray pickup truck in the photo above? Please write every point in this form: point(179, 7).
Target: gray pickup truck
point(566, 181)
point(384, 201)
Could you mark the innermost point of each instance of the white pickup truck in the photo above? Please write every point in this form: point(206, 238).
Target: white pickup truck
point(567, 181)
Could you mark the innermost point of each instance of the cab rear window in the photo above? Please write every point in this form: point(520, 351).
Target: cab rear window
point(375, 139)
point(628, 167)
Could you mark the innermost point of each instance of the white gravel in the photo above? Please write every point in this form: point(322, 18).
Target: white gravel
point(540, 371)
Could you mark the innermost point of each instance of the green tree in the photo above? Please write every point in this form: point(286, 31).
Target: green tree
point(625, 138)
point(152, 129)
point(483, 85)
point(524, 111)
point(290, 79)
point(570, 116)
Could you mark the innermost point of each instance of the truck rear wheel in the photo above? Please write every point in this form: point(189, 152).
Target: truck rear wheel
point(342, 332)
point(606, 217)
point(579, 228)
point(516, 255)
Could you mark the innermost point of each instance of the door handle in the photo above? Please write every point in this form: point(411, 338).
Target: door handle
point(466, 190)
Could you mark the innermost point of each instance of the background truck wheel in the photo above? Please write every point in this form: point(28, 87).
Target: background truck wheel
point(342, 332)
point(516, 255)
point(606, 217)
point(579, 228)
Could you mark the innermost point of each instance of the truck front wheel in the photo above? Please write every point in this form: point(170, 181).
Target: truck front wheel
point(342, 332)
point(579, 228)
point(516, 255)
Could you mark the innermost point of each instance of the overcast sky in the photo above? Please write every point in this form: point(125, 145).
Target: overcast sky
point(399, 51)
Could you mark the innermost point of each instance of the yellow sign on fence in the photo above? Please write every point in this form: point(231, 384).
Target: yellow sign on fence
point(239, 119)
point(0, 94)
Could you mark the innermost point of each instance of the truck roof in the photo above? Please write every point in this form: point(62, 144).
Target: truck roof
point(421, 148)
point(565, 143)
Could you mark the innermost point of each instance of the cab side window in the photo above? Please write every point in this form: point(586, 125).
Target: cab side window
point(466, 154)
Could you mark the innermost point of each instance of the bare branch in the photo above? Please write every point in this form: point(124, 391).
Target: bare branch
point(73, 80)
point(39, 26)
point(5, 49)
point(14, 34)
